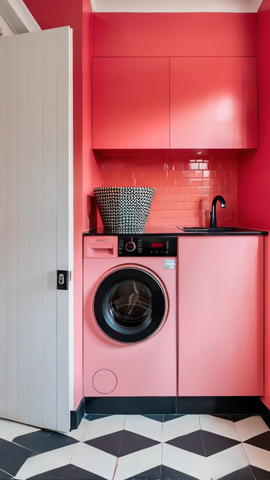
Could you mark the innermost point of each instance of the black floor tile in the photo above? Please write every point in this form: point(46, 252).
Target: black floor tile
point(163, 418)
point(12, 457)
point(152, 474)
point(121, 443)
point(5, 476)
point(132, 442)
point(191, 442)
point(94, 416)
point(224, 417)
point(260, 474)
point(260, 441)
point(237, 418)
point(169, 417)
point(214, 443)
point(158, 417)
point(44, 441)
point(88, 416)
point(266, 419)
point(108, 443)
point(171, 474)
point(162, 473)
point(68, 472)
point(243, 474)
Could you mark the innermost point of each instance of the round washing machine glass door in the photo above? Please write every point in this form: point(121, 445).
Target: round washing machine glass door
point(130, 304)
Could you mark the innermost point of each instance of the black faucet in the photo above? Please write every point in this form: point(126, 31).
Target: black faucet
point(213, 220)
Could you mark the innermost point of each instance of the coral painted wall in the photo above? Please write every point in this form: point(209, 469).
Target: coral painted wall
point(175, 34)
point(185, 186)
point(90, 173)
point(254, 173)
point(78, 15)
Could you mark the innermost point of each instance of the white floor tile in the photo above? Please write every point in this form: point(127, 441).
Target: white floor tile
point(80, 431)
point(219, 426)
point(180, 426)
point(108, 466)
point(258, 457)
point(185, 462)
point(144, 426)
point(226, 462)
point(46, 461)
point(205, 468)
point(94, 460)
point(138, 462)
point(104, 426)
point(3, 425)
point(250, 427)
point(15, 430)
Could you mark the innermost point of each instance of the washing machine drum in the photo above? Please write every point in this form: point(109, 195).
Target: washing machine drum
point(130, 305)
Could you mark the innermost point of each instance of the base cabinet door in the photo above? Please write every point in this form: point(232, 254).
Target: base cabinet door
point(220, 323)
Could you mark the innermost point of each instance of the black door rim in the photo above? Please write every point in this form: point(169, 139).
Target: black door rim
point(128, 332)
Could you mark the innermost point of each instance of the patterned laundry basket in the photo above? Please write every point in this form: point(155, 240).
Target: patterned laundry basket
point(124, 209)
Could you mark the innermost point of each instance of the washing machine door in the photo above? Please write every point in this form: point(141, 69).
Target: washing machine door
point(130, 304)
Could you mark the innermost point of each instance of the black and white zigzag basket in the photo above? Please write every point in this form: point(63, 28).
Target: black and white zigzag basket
point(124, 209)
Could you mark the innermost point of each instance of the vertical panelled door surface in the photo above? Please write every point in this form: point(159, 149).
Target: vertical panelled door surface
point(130, 103)
point(36, 227)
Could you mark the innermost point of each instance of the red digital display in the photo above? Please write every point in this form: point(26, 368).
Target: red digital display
point(157, 245)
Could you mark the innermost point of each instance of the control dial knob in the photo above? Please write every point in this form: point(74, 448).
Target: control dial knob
point(130, 246)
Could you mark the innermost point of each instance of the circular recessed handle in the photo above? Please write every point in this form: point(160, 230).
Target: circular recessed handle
point(104, 381)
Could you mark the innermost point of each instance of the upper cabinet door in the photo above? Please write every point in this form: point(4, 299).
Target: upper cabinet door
point(130, 103)
point(207, 102)
point(250, 102)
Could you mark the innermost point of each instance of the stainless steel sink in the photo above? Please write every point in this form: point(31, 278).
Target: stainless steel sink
point(210, 229)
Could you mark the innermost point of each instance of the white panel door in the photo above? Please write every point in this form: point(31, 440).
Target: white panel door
point(36, 234)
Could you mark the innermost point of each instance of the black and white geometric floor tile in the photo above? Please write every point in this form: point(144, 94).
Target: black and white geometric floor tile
point(145, 447)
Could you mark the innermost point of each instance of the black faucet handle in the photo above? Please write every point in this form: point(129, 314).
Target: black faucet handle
point(212, 221)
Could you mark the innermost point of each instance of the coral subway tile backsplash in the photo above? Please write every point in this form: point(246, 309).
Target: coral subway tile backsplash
point(185, 186)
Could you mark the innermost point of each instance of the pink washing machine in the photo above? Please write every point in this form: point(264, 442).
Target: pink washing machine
point(130, 315)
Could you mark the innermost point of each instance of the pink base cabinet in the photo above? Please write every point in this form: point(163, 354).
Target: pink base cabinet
point(220, 316)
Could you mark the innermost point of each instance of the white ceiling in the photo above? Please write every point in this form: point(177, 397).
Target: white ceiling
point(236, 6)
point(15, 17)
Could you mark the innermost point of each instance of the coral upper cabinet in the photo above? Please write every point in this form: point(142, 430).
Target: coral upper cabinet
point(213, 102)
point(130, 103)
point(179, 102)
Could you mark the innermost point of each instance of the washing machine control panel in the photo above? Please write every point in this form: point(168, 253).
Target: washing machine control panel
point(130, 246)
point(147, 246)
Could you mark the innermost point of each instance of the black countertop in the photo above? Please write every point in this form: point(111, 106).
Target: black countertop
point(165, 230)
